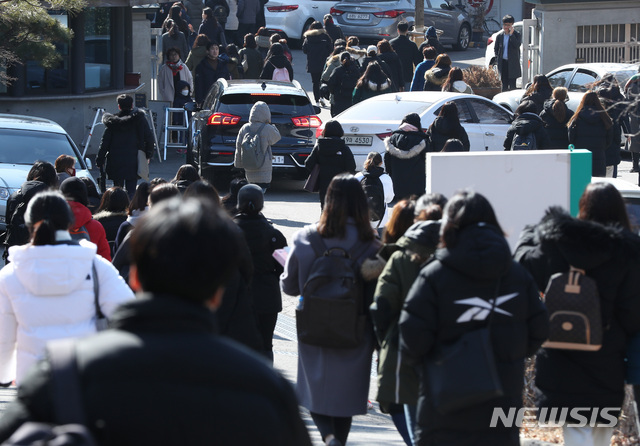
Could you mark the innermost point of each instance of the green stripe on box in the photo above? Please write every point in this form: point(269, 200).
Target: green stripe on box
point(580, 176)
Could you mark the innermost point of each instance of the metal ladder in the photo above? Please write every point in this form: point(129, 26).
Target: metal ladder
point(180, 129)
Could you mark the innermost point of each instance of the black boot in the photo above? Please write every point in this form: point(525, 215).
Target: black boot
point(635, 159)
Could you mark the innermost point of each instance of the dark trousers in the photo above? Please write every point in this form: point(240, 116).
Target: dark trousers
point(129, 184)
point(507, 82)
point(315, 79)
point(246, 28)
point(338, 426)
point(266, 323)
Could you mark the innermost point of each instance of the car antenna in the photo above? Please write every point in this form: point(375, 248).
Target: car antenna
point(264, 86)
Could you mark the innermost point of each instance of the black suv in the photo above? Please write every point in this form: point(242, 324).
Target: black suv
point(215, 126)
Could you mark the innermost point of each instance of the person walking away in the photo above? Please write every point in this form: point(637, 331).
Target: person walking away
point(527, 128)
point(344, 223)
point(507, 52)
point(125, 133)
point(429, 53)
point(387, 55)
point(170, 329)
point(137, 208)
point(47, 293)
point(431, 39)
point(111, 213)
point(333, 30)
point(197, 54)
point(250, 58)
point(405, 157)
point(275, 66)
point(402, 217)
point(608, 90)
point(263, 239)
point(372, 83)
point(173, 38)
point(436, 76)
point(382, 196)
point(590, 128)
point(372, 56)
point(65, 167)
point(317, 45)
point(259, 125)
point(447, 126)
point(632, 93)
point(556, 115)
point(599, 242)
point(211, 28)
point(277, 38)
point(357, 54)
point(332, 156)
point(209, 71)
point(455, 82)
point(538, 92)
point(332, 62)
point(408, 53)
point(342, 83)
point(248, 11)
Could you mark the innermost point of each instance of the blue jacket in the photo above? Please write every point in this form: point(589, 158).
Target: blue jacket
point(418, 77)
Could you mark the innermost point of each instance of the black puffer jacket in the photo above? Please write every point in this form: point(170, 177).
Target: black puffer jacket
point(557, 130)
point(276, 60)
point(165, 347)
point(588, 131)
point(341, 84)
point(444, 303)
point(125, 133)
point(17, 231)
point(611, 257)
point(395, 65)
point(404, 160)
point(524, 124)
point(334, 157)
point(317, 45)
point(539, 97)
point(443, 129)
point(334, 31)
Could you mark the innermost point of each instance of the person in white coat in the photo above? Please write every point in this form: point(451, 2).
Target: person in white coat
point(373, 166)
point(173, 68)
point(47, 291)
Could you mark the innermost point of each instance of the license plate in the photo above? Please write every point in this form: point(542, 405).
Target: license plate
point(358, 140)
point(278, 160)
point(358, 16)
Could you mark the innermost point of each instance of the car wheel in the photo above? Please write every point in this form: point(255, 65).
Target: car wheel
point(464, 37)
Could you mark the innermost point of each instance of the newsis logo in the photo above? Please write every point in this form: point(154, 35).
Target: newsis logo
point(555, 417)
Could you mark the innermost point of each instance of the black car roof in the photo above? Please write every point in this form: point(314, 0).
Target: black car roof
point(256, 86)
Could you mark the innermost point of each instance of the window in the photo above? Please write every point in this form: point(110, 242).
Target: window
point(463, 111)
point(560, 79)
point(489, 113)
point(97, 48)
point(582, 80)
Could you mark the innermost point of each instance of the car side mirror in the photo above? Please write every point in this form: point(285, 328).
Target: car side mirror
point(89, 164)
point(316, 109)
point(191, 107)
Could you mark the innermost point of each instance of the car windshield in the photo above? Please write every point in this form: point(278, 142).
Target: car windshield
point(28, 146)
point(279, 104)
point(383, 110)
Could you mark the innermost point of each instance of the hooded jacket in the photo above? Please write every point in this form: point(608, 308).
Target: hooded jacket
point(276, 60)
point(524, 124)
point(96, 231)
point(333, 30)
point(330, 65)
point(254, 62)
point(371, 89)
point(405, 162)
point(557, 131)
point(434, 78)
point(196, 56)
point(269, 135)
point(111, 222)
point(46, 293)
point(317, 45)
point(341, 84)
point(610, 256)
point(443, 129)
point(443, 304)
point(206, 76)
point(334, 157)
point(395, 66)
point(589, 132)
point(539, 98)
point(17, 231)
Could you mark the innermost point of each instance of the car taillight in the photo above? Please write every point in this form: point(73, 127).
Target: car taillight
point(319, 131)
point(336, 12)
point(283, 8)
point(489, 41)
point(384, 135)
point(388, 14)
point(223, 119)
point(306, 121)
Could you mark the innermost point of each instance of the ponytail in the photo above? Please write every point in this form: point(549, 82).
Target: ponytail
point(559, 111)
point(43, 233)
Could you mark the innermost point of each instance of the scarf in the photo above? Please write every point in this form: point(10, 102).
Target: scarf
point(175, 67)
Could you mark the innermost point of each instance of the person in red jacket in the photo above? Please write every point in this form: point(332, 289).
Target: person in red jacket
point(75, 191)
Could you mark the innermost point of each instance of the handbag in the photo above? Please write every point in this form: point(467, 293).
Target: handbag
point(464, 374)
point(143, 165)
point(311, 185)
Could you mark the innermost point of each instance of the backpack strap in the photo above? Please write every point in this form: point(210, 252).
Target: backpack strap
point(316, 242)
point(65, 382)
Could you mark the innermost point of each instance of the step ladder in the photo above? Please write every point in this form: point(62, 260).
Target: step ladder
point(181, 130)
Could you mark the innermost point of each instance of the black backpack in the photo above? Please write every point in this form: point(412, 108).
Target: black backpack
point(331, 312)
point(373, 189)
point(17, 232)
point(573, 303)
point(526, 141)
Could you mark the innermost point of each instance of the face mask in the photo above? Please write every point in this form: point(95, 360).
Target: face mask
point(185, 92)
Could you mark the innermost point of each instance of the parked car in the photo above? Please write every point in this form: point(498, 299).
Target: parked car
point(25, 140)
point(367, 123)
point(577, 78)
point(292, 18)
point(378, 19)
point(214, 127)
point(631, 194)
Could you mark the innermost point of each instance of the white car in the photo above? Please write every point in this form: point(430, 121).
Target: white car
point(367, 123)
point(293, 17)
point(577, 78)
point(631, 194)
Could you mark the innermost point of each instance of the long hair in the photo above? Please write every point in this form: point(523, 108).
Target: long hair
point(140, 198)
point(560, 94)
point(539, 81)
point(374, 74)
point(209, 17)
point(464, 209)
point(373, 159)
point(201, 40)
point(443, 60)
point(455, 74)
point(384, 47)
point(114, 199)
point(449, 111)
point(402, 217)
point(47, 213)
point(345, 199)
point(591, 99)
point(602, 203)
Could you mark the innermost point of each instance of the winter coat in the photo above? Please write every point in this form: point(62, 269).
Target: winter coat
point(513, 53)
point(432, 42)
point(254, 59)
point(610, 256)
point(197, 55)
point(434, 78)
point(387, 188)
point(269, 135)
point(127, 226)
point(357, 54)
point(417, 84)
point(589, 132)
point(395, 67)
point(178, 41)
point(405, 162)
point(125, 133)
point(17, 231)
point(331, 381)
point(614, 103)
point(330, 65)
point(166, 83)
point(441, 307)
point(442, 130)
point(213, 31)
point(524, 124)
point(82, 216)
point(386, 69)
point(334, 31)
point(539, 97)
point(341, 84)
point(180, 100)
point(46, 293)
point(248, 11)
point(273, 62)
point(557, 131)
point(194, 10)
point(215, 384)
point(334, 157)
point(408, 53)
point(317, 45)
point(461, 87)
point(111, 222)
point(206, 76)
point(371, 89)
point(398, 381)
point(262, 239)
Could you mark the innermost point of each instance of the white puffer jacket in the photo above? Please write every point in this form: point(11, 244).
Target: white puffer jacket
point(46, 293)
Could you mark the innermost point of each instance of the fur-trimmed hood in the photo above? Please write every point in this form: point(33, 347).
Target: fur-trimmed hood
point(123, 117)
point(315, 32)
point(372, 268)
point(356, 53)
point(373, 86)
point(404, 154)
point(109, 214)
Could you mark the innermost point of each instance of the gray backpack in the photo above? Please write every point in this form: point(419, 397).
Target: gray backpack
point(252, 156)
